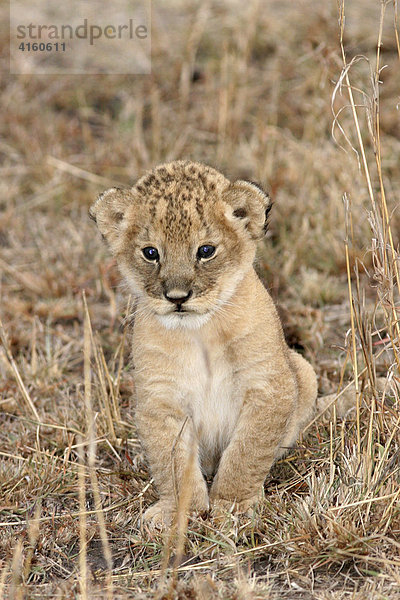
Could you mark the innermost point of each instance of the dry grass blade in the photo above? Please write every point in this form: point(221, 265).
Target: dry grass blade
point(78, 172)
point(83, 567)
point(71, 515)
point(182, 514)
point(353, 329)
point(16, 592)
point(22, 278)
point(3, 577)
point(18, 378)
point(87, 348)
point(33, 534)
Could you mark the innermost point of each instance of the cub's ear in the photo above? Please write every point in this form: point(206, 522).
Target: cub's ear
point(250, 204)
point(108, 212)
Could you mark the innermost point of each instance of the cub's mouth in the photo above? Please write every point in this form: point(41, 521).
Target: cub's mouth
point(182, 311)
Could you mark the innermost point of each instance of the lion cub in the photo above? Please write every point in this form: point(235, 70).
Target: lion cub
point(213, 374)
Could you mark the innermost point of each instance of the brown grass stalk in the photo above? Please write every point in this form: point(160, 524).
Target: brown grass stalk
point(3, 576)
point(33, 536)
point(15, 590)
point(16, 373)
point(88, 338)
point(83, 567)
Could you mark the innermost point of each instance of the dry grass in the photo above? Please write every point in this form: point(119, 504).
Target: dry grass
point(250, 90)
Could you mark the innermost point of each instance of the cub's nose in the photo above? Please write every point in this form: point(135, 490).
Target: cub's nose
point(177, 296)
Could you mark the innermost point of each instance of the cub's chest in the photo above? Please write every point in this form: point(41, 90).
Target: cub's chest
point(211, 398)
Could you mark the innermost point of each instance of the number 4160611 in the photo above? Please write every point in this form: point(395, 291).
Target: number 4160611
point(42, 47)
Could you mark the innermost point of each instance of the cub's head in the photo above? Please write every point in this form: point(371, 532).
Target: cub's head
point(183, 237)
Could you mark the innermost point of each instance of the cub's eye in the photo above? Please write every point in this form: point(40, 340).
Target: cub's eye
point(151, 253)
point(205, 251)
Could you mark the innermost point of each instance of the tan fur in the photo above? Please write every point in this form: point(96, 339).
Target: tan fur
point(218, 379)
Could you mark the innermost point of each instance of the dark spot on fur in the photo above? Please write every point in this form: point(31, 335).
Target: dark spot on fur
point(197, 75)
point(241, 213)
point(151, 179)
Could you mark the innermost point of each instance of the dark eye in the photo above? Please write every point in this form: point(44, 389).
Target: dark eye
point(205, 251)
point(151, 253)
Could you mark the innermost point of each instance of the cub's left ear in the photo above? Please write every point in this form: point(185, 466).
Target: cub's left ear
point(251, 205)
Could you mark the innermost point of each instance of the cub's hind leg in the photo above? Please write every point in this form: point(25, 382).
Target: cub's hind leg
point(306, 400)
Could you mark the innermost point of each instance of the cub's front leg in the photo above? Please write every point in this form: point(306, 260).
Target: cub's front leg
point(171, 449)
point(254, 445)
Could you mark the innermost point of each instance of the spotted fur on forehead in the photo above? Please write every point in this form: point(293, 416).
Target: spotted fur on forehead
point(194, 175)
point(186, 187)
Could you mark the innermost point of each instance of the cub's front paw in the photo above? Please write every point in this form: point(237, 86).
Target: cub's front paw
point(200, 502)
point(221, 507)
point(159, 516)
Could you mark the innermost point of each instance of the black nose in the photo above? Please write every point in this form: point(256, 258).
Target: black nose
point(178, 296)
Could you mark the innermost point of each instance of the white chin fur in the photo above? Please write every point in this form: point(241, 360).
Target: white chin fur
point(183, 320)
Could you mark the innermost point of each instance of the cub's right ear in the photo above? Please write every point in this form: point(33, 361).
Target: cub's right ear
point(108, 212)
